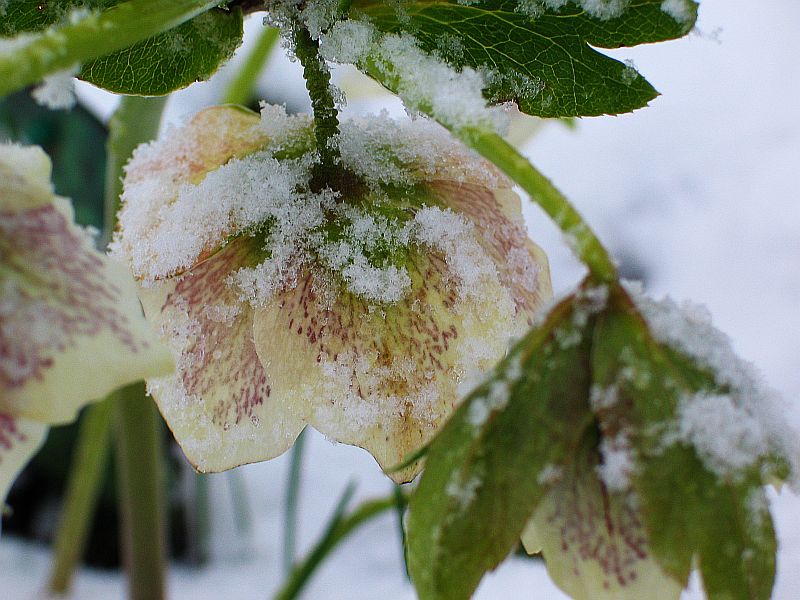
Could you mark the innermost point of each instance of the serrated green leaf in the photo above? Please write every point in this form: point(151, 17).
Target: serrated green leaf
point(483, 475)
point(546, 64)
point(191, 52)
point(690, 511)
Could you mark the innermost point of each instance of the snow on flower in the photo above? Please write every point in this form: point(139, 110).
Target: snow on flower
point(71, 327)
point(366, 310)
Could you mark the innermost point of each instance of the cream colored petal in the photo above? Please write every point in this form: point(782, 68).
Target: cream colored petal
point(24, 177)
point(497, 214)
point(71, 327)
point(382, 377)
point(19, 441)
point(595, 545)
point(219, 404)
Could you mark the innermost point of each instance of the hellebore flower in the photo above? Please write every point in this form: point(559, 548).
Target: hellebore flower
point(624, 440)
point(71, 327)
point(364, 308)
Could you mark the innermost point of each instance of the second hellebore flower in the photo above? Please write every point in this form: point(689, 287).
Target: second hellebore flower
point(71, 327)
point(365, 308)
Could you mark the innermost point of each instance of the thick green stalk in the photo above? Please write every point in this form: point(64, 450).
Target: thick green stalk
point(30, 57)
point(338, 529)
point(83, 489)
point(240, 89)
point(318, 84)
point(578, 233)
point(138, 425)
point(141, 492)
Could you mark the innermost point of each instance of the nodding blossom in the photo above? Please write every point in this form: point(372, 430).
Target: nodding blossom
point(71, 326)
point(364, 306)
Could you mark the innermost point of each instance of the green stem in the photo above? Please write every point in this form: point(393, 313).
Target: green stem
point(34, 56)
point(83, 489)
point(138, 424)
point(580, 236)
point(240, 89)
point(135, 121)
point(141, 493)
point(291, 501)
point(338, 529)
point(318, 84)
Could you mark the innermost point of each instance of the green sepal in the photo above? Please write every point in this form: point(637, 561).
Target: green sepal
point(546, 64)
point(482, 479)
point(691, 513)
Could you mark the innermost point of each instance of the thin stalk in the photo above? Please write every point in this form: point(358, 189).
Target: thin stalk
point(138, 425)
point(291, 502)
point(61, 47)
point(89, 460)
point(242, 517)
point(141, 493)
point(241, 88)
point(578, 233)
point(318, 84)
point(338, 529)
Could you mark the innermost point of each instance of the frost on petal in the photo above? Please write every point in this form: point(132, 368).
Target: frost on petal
point(382, 377)
point(152, 218)
point(19, 441)
point(219, 404)
point(71, 328)
point(594, 542)
point(497, 215)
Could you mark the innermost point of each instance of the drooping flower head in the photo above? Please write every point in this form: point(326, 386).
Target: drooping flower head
point(71, 327)
point(365, 309)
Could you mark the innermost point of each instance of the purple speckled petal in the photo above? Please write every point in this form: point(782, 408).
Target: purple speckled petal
point(19, 441)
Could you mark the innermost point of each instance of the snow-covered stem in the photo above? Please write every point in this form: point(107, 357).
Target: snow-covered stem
point(141, 492)
point(83, 489)
point(33, 56)
point(318, 84)
point(541, 190)
point(241, 88)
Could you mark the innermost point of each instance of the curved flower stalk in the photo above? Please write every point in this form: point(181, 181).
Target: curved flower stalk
point(364, 309)
point(71, 328)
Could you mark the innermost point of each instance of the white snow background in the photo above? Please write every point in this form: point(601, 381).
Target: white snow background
point(698, 192)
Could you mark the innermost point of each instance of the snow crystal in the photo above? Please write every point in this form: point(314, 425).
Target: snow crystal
point(550, 474)
point(455, 236)
point(424, 82)
point(680, 10)
point(57, 91)
point(600, 9)
point(617, 464)
point(727, 436)
point(749, 413)
point(463, 492)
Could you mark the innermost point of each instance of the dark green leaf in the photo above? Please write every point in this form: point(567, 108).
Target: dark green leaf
point(170, 61)
point(546, 63)
point(483, 475)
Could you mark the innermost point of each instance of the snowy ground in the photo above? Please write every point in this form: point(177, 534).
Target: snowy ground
point(697, 192)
